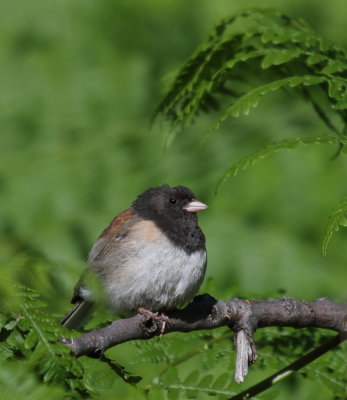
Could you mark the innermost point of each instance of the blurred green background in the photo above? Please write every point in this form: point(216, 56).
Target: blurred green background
point(80, 81)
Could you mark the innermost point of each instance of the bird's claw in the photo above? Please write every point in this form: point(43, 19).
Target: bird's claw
point(160, 317)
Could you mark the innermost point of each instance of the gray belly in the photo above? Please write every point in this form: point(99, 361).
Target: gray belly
point(159, 276)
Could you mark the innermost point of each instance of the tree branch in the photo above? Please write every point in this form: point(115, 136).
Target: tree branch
point(205, 312)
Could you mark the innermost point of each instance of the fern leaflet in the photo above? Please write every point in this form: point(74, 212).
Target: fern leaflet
point(336, 219)
point(287, 144)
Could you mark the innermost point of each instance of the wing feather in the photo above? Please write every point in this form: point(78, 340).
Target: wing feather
point(112, 238)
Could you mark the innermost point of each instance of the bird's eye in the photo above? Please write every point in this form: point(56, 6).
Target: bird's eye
point(173, 201)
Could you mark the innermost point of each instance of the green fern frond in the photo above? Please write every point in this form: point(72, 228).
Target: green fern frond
point(287, 144)
point(251, 47)
point(153, 352)
point(251, 99)
point(35, 334)
point(205, 385)
point(194, 389)
point(331, 371)
point(336, 219)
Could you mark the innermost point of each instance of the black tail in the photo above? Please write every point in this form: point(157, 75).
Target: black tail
point(78, 316)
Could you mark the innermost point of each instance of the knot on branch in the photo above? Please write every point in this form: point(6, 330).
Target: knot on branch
point(244, 322)
point(242, 316)
point(150, 326)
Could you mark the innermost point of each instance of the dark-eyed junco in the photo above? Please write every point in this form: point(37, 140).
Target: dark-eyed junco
point(151, 257)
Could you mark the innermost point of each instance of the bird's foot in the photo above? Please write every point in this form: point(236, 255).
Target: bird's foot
point(162, 318)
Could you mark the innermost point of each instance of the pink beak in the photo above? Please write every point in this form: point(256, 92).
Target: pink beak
point(194, 206)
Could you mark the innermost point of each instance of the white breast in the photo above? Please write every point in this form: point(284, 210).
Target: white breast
point(158, 276)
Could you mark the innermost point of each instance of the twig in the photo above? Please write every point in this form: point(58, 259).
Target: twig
point(246, 354)
point(289, 369)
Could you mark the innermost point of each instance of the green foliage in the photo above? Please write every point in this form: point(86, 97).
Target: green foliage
point(31, 337)
point(30, 342)
point(247, 56)
point(79, 82)
point(196, 384)
point(329, 370)
point(252, 54)
point(336, 219)
point(251, 99)
point(19, 382)
point(287, 144)
point(277, 347)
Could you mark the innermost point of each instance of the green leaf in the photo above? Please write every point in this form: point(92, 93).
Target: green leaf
point(3, 321)
point(246, 45)
point(206, 381)
point(11, 324)
point(97, 376)
point(222, 381)
point(31, 340)
point(336, 219)
point(251, 99)
point(278, 57)
point(334, 66)
point(338, 91)
point(5, 352)
point(287, 144)
point(269, 395)
point(173, 394)
point(39, 330)
point(191, 378)
point(315, 58)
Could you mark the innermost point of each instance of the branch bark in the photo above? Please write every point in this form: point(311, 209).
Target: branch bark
point(205, 312)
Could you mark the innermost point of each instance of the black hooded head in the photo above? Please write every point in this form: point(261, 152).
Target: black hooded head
point(167, 208)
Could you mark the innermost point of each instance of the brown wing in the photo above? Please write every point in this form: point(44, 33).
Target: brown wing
point(112, 236)
point(119, 223)
point(107, 242)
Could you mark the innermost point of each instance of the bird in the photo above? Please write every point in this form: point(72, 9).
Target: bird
point(151, 258)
